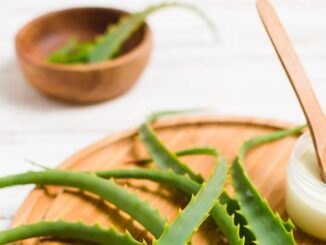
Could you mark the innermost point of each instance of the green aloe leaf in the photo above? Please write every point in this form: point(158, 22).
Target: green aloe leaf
point(73, 52)
point(121, 197)
point(109, 45)
point(189, 187)
point(180, 182)
point(232, 205)
point(186, 152)
point(161, 155)
point(159, 114)
point(62, 55)
point(267, 227)
point(62, 229)
point(165, 159)
point(188, 220)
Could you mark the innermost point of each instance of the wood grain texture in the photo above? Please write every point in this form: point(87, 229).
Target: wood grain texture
point(266, 166)
point(298, 78)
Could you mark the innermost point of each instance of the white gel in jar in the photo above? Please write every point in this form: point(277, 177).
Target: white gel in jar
point(306, 193)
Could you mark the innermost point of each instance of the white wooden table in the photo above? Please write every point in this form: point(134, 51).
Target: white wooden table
point(238, 76)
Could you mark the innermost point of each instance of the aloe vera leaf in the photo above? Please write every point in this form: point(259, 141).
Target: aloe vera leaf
point(232, 205)
point(197, 151)
point(259, 140)
point(62, 229)
point(110, 43)
point(159, 114)
point(106, 189)
point(62, 55)
point(80, 54)
point(288, 225)
point(267, 227)
point(188, 187)
point(221, 217)
point(73, 52)
point(164, 159)
point(162, 156)
point(210, 151)
point(181, 182)
point(189, 219)
point(186, 152)
point(219, 213)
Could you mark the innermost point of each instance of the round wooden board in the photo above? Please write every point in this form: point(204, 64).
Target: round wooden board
point(266, 166)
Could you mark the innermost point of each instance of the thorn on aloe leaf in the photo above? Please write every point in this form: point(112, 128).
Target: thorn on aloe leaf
point(108, 45)
point(62, 229)
point(121, 197)
point(165, 159)
point(189, 219)
point(266, 226)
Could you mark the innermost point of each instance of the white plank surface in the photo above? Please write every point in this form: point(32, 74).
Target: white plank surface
point(238, 76)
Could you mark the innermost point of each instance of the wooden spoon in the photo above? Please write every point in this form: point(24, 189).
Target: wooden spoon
point(298, 78)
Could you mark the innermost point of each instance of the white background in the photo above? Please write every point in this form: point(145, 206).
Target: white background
point(238, 76)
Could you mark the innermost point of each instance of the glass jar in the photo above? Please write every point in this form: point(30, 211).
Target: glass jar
point(306, 193)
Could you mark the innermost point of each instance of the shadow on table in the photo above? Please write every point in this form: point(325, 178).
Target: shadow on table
point(15, 90)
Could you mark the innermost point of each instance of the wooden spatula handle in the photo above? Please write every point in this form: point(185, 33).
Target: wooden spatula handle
point(298, 79)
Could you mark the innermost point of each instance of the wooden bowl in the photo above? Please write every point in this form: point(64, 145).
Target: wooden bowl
point(80, 83)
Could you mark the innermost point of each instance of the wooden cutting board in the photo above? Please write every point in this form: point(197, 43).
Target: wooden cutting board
point(266, 166)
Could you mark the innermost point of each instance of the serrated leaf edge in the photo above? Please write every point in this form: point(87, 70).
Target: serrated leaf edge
point(63, 229)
